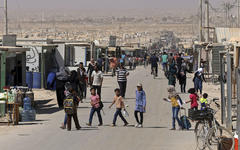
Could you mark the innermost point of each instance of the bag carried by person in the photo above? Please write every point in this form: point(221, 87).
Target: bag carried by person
point(69, 105)
point(185, 122)
point(180, 100)
point(101, 105)
point(167, 74)
point(125, 113)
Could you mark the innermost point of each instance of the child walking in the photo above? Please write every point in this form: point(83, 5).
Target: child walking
point(204, 101)
point(118, 100)
point(70, 107)
point(140, 105)
point(95, 102)
point(193, 98)
point(176, 104)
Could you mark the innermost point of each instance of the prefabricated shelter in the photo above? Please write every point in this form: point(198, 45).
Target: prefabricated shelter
point(41, 60)
point(13, 66)
point(75, 53)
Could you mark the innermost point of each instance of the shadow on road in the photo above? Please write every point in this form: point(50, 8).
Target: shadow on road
point(155, 127)
point(43, 108)
point(129, 98)
point(28, 123)
point(47, 110)
point(84, 107)
point(88, 129)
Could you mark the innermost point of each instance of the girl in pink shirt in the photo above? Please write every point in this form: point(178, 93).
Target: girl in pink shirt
point(95, 102)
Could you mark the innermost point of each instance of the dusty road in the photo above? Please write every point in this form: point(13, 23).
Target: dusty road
point(45, 133)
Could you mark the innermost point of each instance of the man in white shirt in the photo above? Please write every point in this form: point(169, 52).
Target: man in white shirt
point(97, 78)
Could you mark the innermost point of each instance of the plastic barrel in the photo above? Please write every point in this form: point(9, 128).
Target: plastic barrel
point(29, 79)
point(36, 80)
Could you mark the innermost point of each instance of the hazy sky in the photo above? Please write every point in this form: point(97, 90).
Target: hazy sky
point(107, 5)
point(103, 4)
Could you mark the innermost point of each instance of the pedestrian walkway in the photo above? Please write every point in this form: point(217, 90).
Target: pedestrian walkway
point(155, 134)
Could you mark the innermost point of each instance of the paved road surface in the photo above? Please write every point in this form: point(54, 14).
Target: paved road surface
point(45, 133)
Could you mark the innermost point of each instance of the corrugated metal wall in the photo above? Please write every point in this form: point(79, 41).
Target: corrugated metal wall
point(216, 59)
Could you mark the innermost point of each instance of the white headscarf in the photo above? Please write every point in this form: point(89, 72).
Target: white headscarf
point(62, 74)
point(200, 70)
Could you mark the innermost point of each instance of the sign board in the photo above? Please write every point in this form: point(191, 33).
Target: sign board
point(9, 40)
point(113, 41)
point(33, 58)
point(80, 54)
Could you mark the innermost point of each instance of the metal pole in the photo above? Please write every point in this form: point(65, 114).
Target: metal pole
point(238, 13)
point(238, 99)
point(42, 68)
point(207, 19)
point(229, 92)
point(223, 100)
point(6, 17)
point(3, 70)
point(106, 62)
point(200, 22)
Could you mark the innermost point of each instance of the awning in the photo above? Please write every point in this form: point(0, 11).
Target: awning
point(11, 49)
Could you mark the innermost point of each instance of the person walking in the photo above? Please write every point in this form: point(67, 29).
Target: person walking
point(182, 77)
point(179, 61)
point(140, 105)
point(118, 100)
point(97, 78)
point(95, 103)
point(90, 70)
point(113, 65)
point(100, 63)
point(193, 99)
point(70, 105)
point(204, 101)
point(81, 72)
point(74, 84)
point(62, 78)
point(172, 73)
point(171, 59)
point(154, 64)
point(198, 79)
point(122, 74)
point(164, 59)
point(176, 104)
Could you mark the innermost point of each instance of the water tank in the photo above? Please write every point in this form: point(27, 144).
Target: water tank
point(37, 80)
point(29, 79)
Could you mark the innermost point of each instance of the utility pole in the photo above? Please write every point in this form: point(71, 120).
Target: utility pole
point(200, 22)
point(238, 21)
point(207, 19)
point(238, 94)
point(6, 17)
point(229, 92)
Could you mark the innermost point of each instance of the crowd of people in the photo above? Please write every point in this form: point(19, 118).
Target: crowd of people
point(175, 68)
point(72, 86)
point(72, 89)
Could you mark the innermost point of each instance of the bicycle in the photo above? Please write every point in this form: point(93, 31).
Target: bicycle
point(209, 134)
